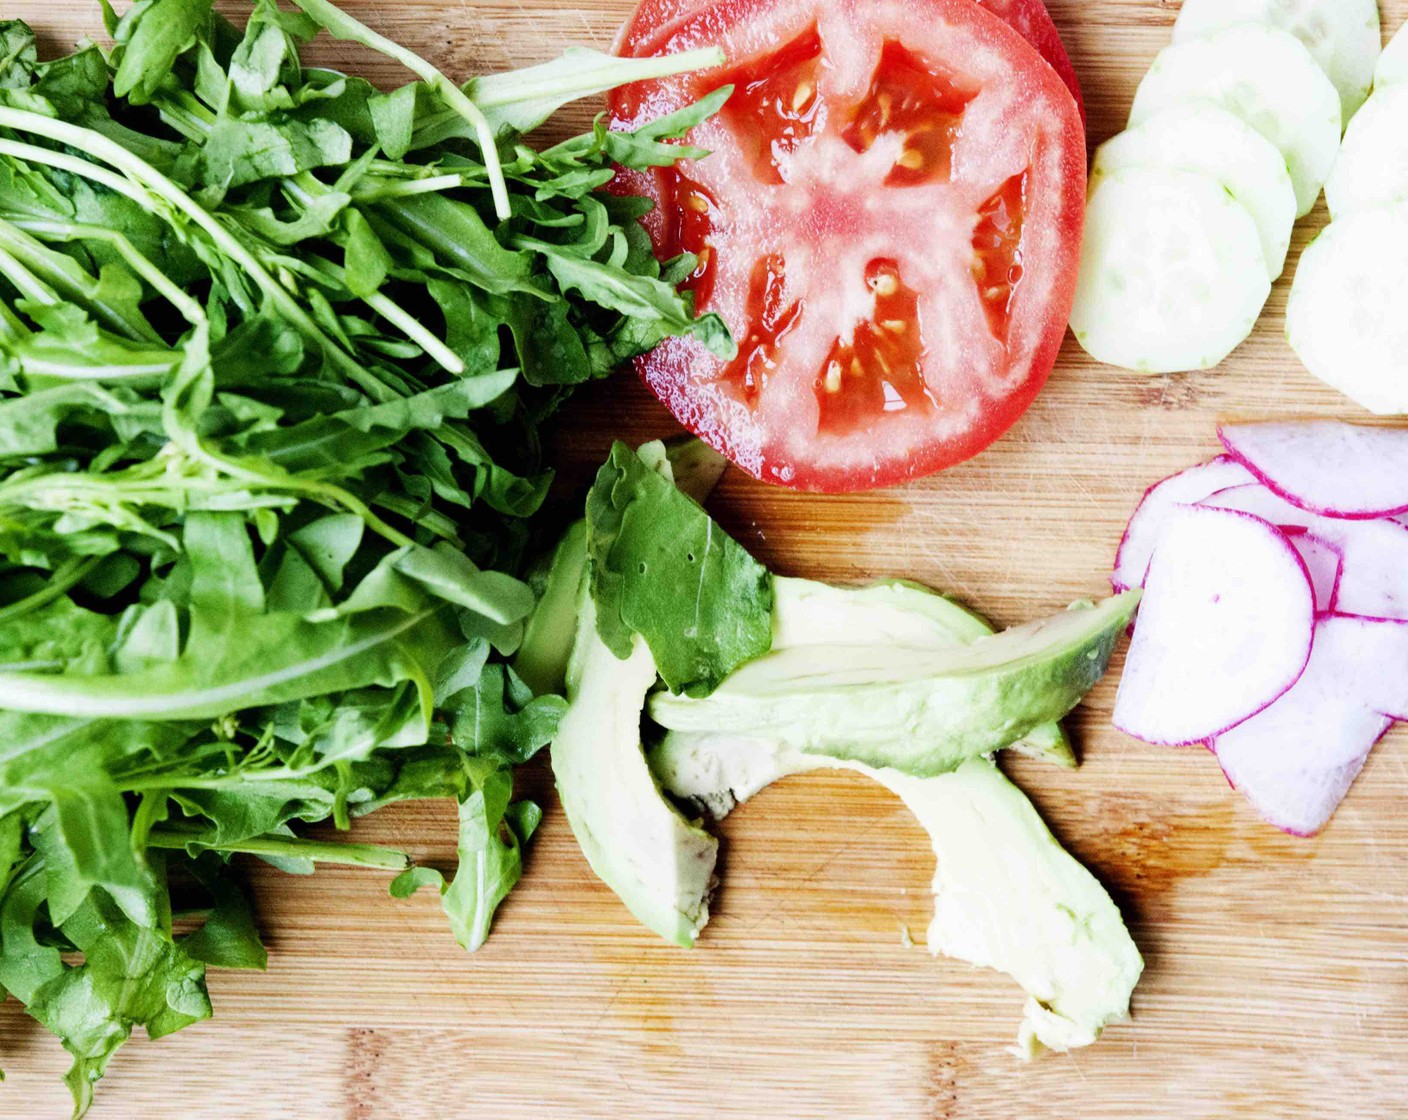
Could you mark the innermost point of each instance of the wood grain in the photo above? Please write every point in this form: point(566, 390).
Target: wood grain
point(1277, 982)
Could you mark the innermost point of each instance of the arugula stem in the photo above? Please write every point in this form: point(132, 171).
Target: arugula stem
point(306, 187)
point(163, 190)
point(32, 153)
point(429, 519)
point(65, 282)
point(190, 310)
point(28, 285)
point(342, 26)
point(10, 324)
point(290, 847)
point(375, 190)
point(416, 331)
point(589, 74)
point(233, 780)
point(68, 575)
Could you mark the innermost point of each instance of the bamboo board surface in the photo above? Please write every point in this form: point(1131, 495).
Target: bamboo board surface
point(1277, 969)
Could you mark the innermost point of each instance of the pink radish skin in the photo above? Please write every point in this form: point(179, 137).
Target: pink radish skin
point(1334, 714)
point(1325, 466)
point(1186, 488)
point(1224, 630)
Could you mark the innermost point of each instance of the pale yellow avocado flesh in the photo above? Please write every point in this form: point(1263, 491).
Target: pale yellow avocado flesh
point(1006, 894)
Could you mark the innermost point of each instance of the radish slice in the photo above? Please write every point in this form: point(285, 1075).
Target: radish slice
point(1298, 801)
point(1258, 501)
point(1340, 470)
point(1386, 655)
point(1372, 579)
point(1224, 630)
point(1326, 720)
point(1325, 563)
point(1187, 488)
point(1375, 579)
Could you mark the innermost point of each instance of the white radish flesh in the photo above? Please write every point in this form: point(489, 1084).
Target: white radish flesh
point(1325, 466)
point(1266, 77)
point(1345, 317)
point(1172, 274)
point(1326, 720)
point(1373, 166)
point(1184, 489)
point(1371, 557)
point(1325, 563)
point(1210, 140)
point(1298, 801)
point(1256, 499)
point(1224, 630)
point(1343, 36)
point(1374, 583)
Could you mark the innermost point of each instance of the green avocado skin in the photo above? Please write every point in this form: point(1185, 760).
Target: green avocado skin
point(920, 712)
point(893, 612)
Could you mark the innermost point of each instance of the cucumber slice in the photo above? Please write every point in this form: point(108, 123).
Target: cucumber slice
point(1210, 140)
point(1172, 276)
point(1343, 36)
point(1393, 63)
point(1345, 318)
point(1373, 166)
point(1266, 77)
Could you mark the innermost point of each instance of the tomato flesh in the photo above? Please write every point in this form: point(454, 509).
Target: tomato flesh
point(889, 222)
point(880, 369)
point(924, 107)
point(1029, 18)
point(774, 104)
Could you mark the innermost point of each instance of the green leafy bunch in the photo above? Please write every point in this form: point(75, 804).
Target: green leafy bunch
point(275, 350)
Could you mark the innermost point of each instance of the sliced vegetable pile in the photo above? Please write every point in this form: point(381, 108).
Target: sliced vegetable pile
point(275, 348)
point(751, 678)
point(1345, 316)
point(1274, 627)
point(890, 220)
point(1232, 134)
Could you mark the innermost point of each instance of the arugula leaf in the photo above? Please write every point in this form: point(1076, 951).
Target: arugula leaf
point(239, 152)
point(151, 35)
point(18, 55)
point(661, 568)
point(228, 937)
point(275, 351)
point(132, 975)
point(492, 834)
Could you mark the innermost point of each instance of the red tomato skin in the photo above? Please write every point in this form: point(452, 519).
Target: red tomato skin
point(670, 371)
point(653, 19)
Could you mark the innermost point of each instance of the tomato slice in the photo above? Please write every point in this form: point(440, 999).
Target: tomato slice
point(889, 221)
point(653, 19)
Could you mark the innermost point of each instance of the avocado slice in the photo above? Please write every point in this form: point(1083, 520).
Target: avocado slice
point(920, 711)
point(659, 864)
point(547, 641)
point(892, 613)
point(1006, 894)
point(695, 466)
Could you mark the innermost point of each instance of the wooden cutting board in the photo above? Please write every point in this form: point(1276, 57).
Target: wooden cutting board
point(1277, 980)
